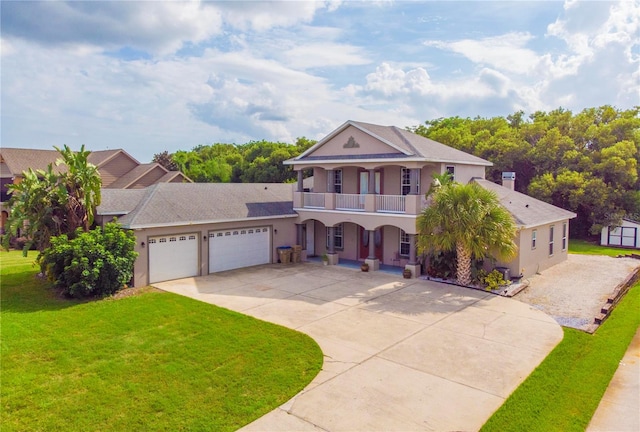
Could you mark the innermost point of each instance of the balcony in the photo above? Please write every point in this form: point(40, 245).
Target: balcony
point(371, 203)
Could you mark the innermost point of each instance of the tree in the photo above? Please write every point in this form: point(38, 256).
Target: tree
point(37, 209)
point(166, 160)
point(46, 203)
point(82, 181)
point(470, 220)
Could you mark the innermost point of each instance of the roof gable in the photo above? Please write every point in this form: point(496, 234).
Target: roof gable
point(19, 160)
point(365, 141)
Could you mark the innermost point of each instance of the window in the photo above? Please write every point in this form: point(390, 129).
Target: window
point(551, 230)
point(451, 170)
point(337, 181)
point(338, 236)
point(564, 236)
point(405, 244)
point(406, 181)
point(534, 237)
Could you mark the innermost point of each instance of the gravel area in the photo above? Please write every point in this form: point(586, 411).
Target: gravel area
point(573, 292)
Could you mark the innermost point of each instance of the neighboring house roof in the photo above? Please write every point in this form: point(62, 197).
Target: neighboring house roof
point(135, 174)
point(19, 160)
point(411, 147)
point(174, 204)
point(527, 212)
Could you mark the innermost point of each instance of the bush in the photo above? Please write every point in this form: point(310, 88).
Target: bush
point(95, 263)
point(493, 280)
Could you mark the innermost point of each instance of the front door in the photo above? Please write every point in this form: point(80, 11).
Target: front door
point(310, 236)
point(364, 182)
point(364, 243)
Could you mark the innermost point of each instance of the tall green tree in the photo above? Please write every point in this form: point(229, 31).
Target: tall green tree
point(469, 220)
point(37, 209)
point(82, 181)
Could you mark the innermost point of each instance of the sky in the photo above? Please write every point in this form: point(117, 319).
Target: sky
point(150, 76)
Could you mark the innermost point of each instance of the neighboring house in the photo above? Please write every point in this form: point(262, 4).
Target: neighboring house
point(626, 235)
point(193, 229)
point(117, 169)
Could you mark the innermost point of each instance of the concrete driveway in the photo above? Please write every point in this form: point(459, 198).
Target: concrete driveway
point(398, 354)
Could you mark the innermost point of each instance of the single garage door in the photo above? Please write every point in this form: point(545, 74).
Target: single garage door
point(173, 257)
point(241, 247)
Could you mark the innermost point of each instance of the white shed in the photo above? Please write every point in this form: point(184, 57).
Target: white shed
point(625, 235)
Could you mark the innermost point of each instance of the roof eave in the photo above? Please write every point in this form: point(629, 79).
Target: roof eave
point(206, 222)
point(404, 159)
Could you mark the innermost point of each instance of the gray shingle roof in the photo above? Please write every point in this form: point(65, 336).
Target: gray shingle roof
point(173, 204)
point(119, 201)
point(527, 211)
point(411, 145)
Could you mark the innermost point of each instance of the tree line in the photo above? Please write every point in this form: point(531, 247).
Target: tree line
point(585, 162)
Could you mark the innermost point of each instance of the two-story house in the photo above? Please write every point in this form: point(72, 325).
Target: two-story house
point(367, 189)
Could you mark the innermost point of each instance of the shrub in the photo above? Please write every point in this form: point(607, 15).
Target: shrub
point(95, 263)
point(493, 280)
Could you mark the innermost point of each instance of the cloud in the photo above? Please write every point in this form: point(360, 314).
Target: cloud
point(506, 52)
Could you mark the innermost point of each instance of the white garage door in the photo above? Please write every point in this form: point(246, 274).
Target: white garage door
point(173, 257)
point(240, 247)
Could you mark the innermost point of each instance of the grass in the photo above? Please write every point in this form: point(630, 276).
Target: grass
point(588, 248)
point(564, 391)
point(155, 361)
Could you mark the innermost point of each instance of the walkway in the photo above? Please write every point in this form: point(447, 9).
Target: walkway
point(619, 409)
point(399, 354)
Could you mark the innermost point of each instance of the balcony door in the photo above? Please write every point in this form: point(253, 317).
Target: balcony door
point(364, 182)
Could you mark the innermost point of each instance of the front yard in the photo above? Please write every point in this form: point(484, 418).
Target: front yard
point(154, 361)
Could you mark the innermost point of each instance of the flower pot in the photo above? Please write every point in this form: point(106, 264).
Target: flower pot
point(406, 273)
point(364, 267)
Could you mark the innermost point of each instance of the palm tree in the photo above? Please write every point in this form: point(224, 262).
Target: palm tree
point(83, 183)
point(470, 220)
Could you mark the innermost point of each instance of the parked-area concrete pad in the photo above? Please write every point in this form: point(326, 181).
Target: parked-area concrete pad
point(398, 354)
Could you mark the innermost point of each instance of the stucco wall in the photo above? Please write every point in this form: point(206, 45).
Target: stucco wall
point(531, 261)
point(464, 173)
point(367, 144)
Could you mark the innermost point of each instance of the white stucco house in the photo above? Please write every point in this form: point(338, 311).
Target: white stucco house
point(368, 189)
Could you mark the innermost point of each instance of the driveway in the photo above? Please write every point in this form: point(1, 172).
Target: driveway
point(574, 291)
point(398, 354)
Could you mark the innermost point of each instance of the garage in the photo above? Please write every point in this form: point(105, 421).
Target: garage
point(173, 257)
point(626, 235)
point(240, 247)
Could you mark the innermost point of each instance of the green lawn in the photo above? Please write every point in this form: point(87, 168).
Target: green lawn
point(154, 361)
point(588, 248)
point(564, 391)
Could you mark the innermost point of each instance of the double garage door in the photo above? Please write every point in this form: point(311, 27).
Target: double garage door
point(623, 236)
point(176, 256)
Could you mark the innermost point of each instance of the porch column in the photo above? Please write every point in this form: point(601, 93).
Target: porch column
point(331, 248)
point(300, 181)
point(372, 244)
point(413, 265)
point(414, 175)
point(372, 181)
point(331, 185)
point(412, 250)
point(299, 234)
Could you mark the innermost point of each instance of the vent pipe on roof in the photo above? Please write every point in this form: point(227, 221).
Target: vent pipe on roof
point(509, 180)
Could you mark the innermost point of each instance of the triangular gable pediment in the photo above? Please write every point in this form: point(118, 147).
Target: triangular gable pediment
point(352, 141)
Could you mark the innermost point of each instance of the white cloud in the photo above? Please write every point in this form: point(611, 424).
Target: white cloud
point(506, 52)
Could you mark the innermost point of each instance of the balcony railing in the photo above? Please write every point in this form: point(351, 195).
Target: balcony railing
point(313, 200)
point(390, 203)
point(350, 202)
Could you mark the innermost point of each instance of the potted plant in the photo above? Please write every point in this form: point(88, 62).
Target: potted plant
point(325, 259)
point(364, 267)
point(406, 273)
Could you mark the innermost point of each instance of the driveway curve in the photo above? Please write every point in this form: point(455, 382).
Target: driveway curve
point(399, 354)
